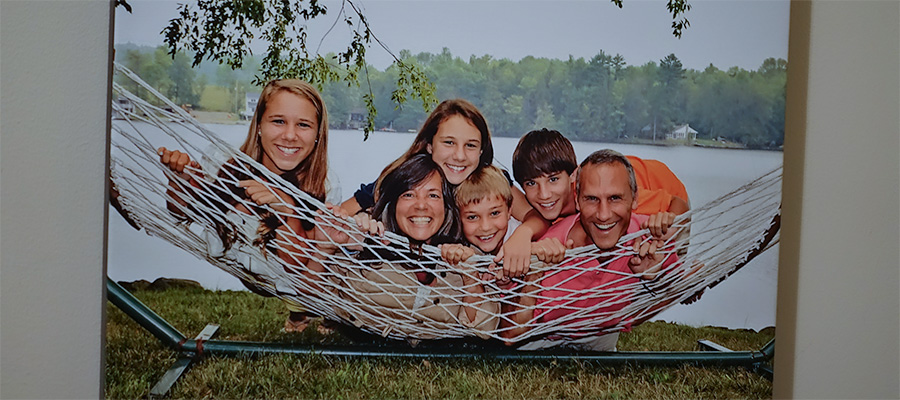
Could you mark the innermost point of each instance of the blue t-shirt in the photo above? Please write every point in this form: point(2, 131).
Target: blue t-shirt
point(365, 196)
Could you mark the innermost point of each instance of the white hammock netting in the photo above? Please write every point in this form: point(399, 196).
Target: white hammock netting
point(376, 289)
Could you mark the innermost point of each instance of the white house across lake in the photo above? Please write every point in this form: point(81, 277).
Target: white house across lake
point(250, 101)
point(683, 132)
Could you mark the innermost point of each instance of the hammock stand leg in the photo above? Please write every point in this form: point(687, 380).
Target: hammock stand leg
point(759, 368)
point(182, 364)
point(171, 337)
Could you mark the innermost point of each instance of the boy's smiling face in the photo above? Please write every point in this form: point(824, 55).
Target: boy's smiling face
point(485, 222)
point(551, 194)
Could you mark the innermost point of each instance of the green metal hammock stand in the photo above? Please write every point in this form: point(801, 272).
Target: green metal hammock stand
point(193, 350)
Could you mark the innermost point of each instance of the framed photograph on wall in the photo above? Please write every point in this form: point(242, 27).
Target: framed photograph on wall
point(704, 103)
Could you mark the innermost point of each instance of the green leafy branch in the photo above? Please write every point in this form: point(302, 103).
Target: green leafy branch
point(223, 31)
point(676, 8)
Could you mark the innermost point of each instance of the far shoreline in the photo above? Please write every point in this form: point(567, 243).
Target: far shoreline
point(224, 118)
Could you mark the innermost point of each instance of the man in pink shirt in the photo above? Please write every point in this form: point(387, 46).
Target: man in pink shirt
point(583, 296)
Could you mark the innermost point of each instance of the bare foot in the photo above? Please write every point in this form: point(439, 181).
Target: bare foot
point(325, 327)
point(296, 323)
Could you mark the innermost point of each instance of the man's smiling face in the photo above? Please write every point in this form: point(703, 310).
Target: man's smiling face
point(605, 200)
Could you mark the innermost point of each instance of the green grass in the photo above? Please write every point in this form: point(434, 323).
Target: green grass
point(718, 144)
point(135, 361)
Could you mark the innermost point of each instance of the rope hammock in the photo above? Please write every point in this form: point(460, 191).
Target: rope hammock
point(375, 288)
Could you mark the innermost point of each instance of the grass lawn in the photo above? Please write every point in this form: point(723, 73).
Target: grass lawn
point(135, 361)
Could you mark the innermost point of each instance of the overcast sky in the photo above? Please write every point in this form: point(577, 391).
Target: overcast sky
point(725, 33)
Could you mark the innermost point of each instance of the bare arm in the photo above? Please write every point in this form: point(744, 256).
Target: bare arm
point(647, 261)
point(521, 312)
point(520, 206)
point(180, 163)
point(678, 205)
point(456, 255)
point(549, 251)
point(516, 251)
point(351, 206)
point(290, 228)
point(362, 199)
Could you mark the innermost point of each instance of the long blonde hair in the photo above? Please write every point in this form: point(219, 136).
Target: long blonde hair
point(310, 174)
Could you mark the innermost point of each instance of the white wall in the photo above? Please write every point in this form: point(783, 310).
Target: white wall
point(53, 90)
point(838, 284)
point(838, 302)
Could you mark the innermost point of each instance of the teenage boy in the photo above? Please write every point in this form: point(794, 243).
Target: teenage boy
point(544, 165)
point(606, 194)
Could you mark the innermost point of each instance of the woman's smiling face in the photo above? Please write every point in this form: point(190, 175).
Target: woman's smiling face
point(288, 131)
point(456, 148)
point(420, 210)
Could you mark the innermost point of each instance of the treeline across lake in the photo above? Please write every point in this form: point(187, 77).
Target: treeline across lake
point(596, 99)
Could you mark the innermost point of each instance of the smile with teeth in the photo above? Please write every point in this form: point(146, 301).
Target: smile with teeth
point(288, 150)
point(604, 227)
point(420, 220)
point(548, 205)
point(487, 238)
point(456, 168)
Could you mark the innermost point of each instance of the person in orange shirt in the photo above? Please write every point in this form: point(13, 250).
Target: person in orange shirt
point(658, 188)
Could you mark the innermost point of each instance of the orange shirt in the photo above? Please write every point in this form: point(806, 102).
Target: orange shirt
point(656, 185)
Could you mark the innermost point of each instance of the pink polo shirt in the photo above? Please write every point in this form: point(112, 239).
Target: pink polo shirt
point(566, 288)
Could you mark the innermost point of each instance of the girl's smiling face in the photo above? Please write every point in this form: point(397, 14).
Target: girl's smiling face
point(288, 131)
point(456, 148)
point(420, 210)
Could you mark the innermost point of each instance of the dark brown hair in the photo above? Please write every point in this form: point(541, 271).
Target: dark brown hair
point(542, 152)
point(408, 175)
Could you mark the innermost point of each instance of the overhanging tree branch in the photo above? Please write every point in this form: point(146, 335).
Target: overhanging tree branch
point(223, 30)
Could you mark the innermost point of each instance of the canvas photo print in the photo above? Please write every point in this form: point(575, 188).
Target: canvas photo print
point(424, 178)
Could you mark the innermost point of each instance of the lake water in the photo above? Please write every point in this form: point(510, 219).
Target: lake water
point(744, 300)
